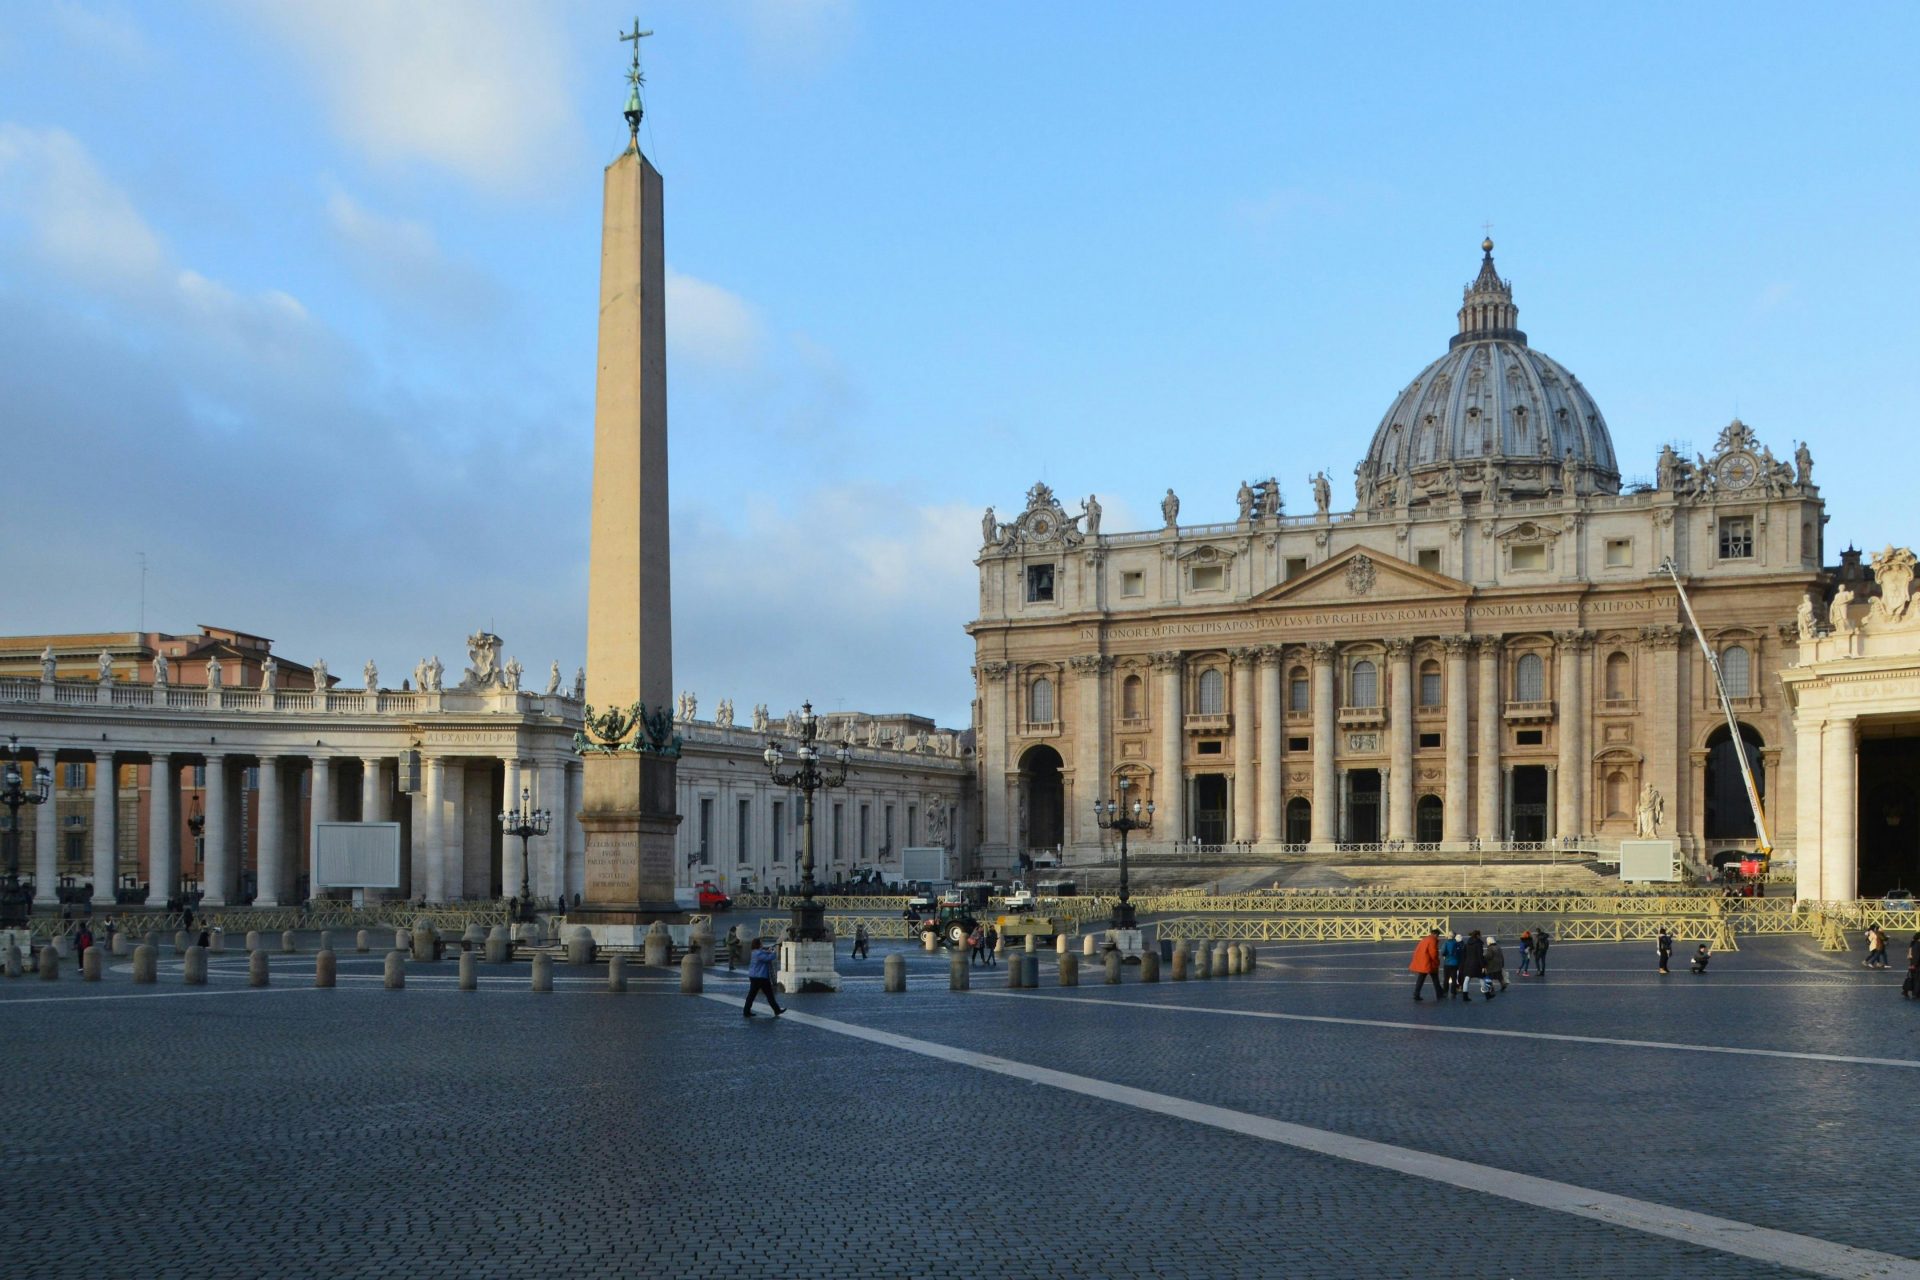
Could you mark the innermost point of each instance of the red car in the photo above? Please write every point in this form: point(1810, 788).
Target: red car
point(711, 898)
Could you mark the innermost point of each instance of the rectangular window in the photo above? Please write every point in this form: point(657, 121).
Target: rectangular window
point(743, 832)
point(253, 778)
point(1429, 688)
point(76, 850)
point(1208, 749)
point(779, 829)
point(1297, 694)
point(1296, 565)
point(1529, 557)
point(913, 825)
point(1527, 737)
point(199, 775)
point(1429, 739)
point(1298, 744)
point(1619, 553)
point(77, 777)
point(1736, 537)
point(1133, 583)
point(1209, 577)
point(1428, 558)
point(1039, 583)
point(706, 831)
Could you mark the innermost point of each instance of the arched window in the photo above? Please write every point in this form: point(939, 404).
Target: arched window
point(1429, 683)
point(1366, 685)
point(1297, 694)
point(1213, 693)
point(1040, 703)
point(1529, 679)
point(1299, 820)
point(1736, 668)
point(1428, 819)
point(1619, 677)
point(1619, 795)
point(1130, 698)
point(1729, 814)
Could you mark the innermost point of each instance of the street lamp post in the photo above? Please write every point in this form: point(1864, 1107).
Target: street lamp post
point(1124, 817)
point(809, 918)
point(526, 822)
point(197, 828)
point(16, 903)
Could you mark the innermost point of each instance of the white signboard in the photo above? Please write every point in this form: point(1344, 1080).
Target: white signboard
point(356, 855)
point(1646, 860)
point(923, 862)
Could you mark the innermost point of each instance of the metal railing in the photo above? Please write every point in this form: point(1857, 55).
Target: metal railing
point(454, 917)
point(1356, 928)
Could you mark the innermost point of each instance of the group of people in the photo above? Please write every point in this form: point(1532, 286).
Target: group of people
point(984, 943)
point(1663, 949)
point(1452, 964)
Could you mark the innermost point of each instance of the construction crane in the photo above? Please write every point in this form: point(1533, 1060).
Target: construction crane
point(1763, 844)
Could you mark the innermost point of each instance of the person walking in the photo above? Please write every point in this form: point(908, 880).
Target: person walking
point(760, 979)
point(991, 940)
point(735, 948)
point(1541, 941)
point(1496, 962)
point(1526, 952)
point(82, 941)
point(1911, 987)
point(1425, 965)
point(1473, 964)
point(977, 944)
point(1450, 966)
point(860, 941)
point(1663, 946)
point(1876, 948)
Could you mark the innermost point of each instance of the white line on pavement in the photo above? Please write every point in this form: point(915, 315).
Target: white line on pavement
point(1393, 1025)
point(1742, 1239)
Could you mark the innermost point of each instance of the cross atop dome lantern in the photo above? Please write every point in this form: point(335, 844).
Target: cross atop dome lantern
point(1486, 308)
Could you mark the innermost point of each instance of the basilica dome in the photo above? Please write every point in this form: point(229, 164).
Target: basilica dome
point(1491, 417)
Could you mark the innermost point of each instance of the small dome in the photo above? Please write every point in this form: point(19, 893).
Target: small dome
point(1491, 416)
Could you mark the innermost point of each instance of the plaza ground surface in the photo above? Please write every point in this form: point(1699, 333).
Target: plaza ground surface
point(1306, 1120)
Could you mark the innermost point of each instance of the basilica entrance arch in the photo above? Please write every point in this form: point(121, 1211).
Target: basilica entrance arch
point(1728, 814)
point(1042, 799)
point(1889, 816)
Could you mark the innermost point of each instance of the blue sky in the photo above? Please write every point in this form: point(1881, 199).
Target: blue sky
point(298, 299)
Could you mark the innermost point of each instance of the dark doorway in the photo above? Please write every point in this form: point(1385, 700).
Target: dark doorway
point(1889, 833)
point(1299, 820)
point(1363, 806)
point(1210, 808)
point(1041, 788)
point(1426, 820)
point(1729, 814)
point(1529, 820)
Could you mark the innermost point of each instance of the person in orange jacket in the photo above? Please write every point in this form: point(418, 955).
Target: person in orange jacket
point(1426, 963)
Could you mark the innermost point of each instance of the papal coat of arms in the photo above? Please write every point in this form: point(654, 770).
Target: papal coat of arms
point(1360, 575)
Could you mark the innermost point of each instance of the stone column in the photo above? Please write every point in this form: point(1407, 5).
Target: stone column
point(1400, 739)
point(1453, 819)
point(1569, 736)
point(163, 831)
point(1091, 672)
point(373, 793)
point(1488, 820)
point(106, 811)
point(46, 839)
point(433, 793)
point(273, 875)
point(549, 853)
point(1326, 797)
point(1271, 715)
point(1839, 814)
point(1661, 648)
point(996, 836)
point(1170, 785)
point(320, 809)
point(512, 855)
point(219, 881)
point(576, 836)
point(1553, 801)
point(1506, 830)
point(1245, 793)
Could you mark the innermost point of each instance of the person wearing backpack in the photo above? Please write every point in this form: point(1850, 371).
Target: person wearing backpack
point(1473, 964)
point(1526, 952)
point(1541, 941)
point(1450, 966)
point(1663, 947)
point(1496, 963)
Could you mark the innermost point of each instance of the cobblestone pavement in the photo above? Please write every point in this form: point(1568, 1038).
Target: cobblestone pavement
point(225, 1131)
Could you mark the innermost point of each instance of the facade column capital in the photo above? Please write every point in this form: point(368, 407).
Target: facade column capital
point(1661, 633)
point(1399, 648)
point(995, 671)
point(1267, 655)
point(1574, 641)
point(1091, 664)
point(1490, 646)
point(1460, 644)
point(1167, 659)
point(1245, 655)
point(1324, 652)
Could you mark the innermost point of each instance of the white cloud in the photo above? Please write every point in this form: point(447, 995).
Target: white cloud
point(81, 222)
point(802, 35)
point(711, 326)
point(401, 259)
point(477, 87)
point(109, 31)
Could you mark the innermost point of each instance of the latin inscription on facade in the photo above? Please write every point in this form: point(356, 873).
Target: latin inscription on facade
point(612, 869)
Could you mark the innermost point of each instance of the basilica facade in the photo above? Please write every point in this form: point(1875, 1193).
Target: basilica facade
point(1481, 652)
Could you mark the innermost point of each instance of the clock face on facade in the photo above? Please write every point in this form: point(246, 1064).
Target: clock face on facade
point(1040, 526)
point(1738, 470)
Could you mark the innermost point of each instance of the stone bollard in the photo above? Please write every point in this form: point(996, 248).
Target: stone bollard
point(62, 948)
point(1060, 944)
point(360, 941)
point(474, 936)
point(421, 941)
point(92, 964)
point(468, 980)
point(1233, 959)
point(1252, 961)
point(658, 948)
point(324, 967)
point(402, 940)
point(1033, 944)
point(616, 973)
point(498, 948)
point(1149, 966)
point(289, 947)
point(1029, 970)
point(1090, 945)
point(930, 939)
point(1202, 961)
point(13, 961)
point(193, 970)
point(122, 944)
point(256, 968)
point(146, 962)
point(218, 938)
point(959, 975)
point(1113, 968)
point(152, 939)
point(326, 940)
point(253, 941)
point(49, 963)
point(1179, 962)
point(396, 970)
point(1220, 957)
point(542, 971)
point(701, 940)
point(580, 948)
point(1016, 973)
point(691, 979)
point(180, 943)
point(1069, 970)
point(893, 973)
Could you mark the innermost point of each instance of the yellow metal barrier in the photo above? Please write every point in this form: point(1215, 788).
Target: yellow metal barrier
point(1309, 903)
point(1708, 929)
point(1298, 928)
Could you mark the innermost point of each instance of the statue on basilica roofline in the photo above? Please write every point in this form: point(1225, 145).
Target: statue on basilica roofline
point(160, 668)
point(579, 684)
point(1091, 510)
point(989, 529)
point(106, 667)
point(1322, 492)
point(46, 663)
point(269, 675)
point(761, 721)
point(371, 674)
point(723, 714)
point(319, 675)
point(1803, 465)
point(1245, 500)
point(1170, 509)
point(510, 675)
point(1805, 620)
point(213, 671)
point(553, 679)
point(436, 674)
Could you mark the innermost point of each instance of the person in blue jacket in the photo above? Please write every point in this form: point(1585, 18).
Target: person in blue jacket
point(1450, 966)
point(760, 978)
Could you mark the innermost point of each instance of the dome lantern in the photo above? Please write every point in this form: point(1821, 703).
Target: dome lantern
point(1486, 307)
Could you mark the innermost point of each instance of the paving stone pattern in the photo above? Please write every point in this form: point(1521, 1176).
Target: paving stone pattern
point(290, 1132)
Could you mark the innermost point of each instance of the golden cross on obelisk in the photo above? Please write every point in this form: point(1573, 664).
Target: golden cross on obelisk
point(634, 110)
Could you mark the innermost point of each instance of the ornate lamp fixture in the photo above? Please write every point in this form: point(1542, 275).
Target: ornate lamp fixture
point(16, 789)
point(809, 918)
point(526, 822)
point(1125, 817)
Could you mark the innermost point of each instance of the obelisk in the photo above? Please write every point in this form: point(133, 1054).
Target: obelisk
point(628, 811)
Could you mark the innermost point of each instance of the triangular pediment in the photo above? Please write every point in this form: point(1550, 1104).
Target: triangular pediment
point(1358, 575)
